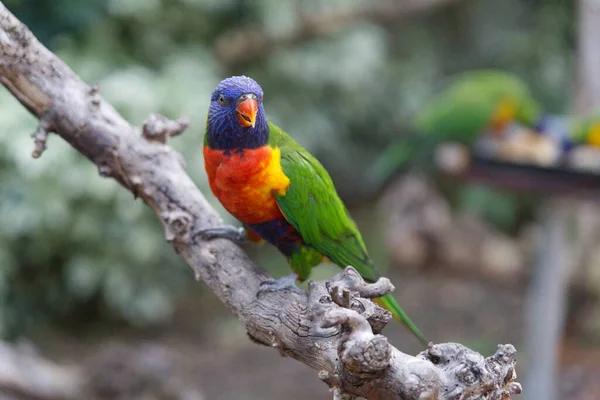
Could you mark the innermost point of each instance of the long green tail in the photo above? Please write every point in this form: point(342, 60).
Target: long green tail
point(389, 303)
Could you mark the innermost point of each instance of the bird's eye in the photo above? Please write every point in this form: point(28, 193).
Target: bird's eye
point(222, 100)
point(260, 99)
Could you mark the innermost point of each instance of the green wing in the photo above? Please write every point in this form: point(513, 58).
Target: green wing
point(311, 204)
point(314, 209)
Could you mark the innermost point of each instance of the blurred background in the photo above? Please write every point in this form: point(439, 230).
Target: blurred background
point(91, 292)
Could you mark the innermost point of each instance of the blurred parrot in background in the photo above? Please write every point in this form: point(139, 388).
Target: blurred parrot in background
point(586, 129)
point(561, 129)
point(279, 191)
point(475, 102)
point(571, 131)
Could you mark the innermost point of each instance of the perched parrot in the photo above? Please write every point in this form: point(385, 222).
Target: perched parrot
point(563, 130)
point(279, 191)
point(475, 102)
point(586, 130)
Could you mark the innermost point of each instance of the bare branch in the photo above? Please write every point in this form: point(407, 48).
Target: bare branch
point(40, 136)
point(332, 328)
point(25, 373)
point(249, 44)
point(158, 127)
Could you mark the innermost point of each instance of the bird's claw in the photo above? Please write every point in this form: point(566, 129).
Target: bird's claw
point(236, 235)
point(288, 282)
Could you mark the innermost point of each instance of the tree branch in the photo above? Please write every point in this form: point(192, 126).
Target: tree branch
point(26, 374)
point(330, 328)
point(249, 43)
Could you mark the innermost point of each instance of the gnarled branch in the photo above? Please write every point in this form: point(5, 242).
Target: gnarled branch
point(330, 328)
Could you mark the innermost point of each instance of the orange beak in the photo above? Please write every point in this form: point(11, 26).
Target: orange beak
point(246, 111)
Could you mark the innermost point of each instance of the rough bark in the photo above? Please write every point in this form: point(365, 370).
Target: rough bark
point(333, 328)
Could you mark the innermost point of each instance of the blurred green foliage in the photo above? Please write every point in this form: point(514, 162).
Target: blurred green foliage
point(72, 243)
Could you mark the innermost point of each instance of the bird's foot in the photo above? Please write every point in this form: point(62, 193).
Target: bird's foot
point(236, 235)
point(288, 282)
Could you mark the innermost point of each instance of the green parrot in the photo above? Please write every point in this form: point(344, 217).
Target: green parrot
point(474, 102)
point(586, 130)
point(279, 191)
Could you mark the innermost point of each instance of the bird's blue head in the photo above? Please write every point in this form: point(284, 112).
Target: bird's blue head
point(236, 117)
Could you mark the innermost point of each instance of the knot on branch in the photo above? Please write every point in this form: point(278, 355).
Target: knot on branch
point(95, 99)
point(349, 290)
point(351, 280)
point(40, 136)
point(177, 224)
point(362, 353)
point(159, 128)
point(477, 377)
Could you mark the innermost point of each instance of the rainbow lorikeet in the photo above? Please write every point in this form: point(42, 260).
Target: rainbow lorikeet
point(586, 129)
point(572, 131)
point(563, 130)
point(278, 190)
point(475, 102)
